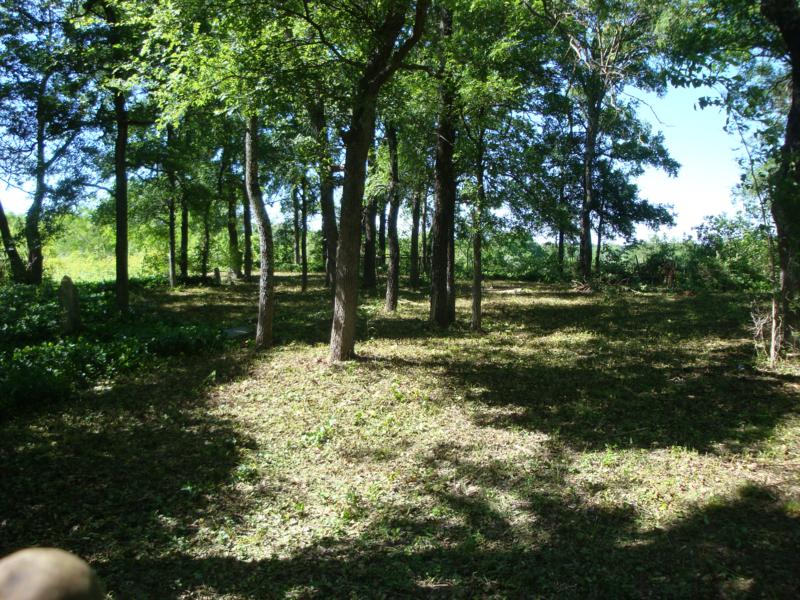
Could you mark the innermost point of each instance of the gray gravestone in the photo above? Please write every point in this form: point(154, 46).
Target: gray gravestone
point(70, 307)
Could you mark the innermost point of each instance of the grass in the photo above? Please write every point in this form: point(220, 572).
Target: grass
point(613, 445)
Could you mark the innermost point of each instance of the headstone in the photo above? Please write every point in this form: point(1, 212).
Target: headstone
point(47, 574)
point(70, 306)
point(217, 276)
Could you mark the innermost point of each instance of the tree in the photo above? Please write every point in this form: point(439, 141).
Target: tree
point(44, 108)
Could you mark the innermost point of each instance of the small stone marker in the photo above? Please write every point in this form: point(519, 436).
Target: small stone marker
point(217, 276)
point(47, 574)
point(71, 313)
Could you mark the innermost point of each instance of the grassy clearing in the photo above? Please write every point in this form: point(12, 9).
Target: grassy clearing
point(614, 445)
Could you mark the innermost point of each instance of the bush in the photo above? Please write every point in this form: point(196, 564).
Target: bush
point(55, 370)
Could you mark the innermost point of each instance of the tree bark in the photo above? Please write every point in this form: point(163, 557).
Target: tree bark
point(393, 199)
point(330, 232)
point(426, 255)
point(369, 278)
point(248, 237)
point(266, 281)
point(386, 59)
point(183, 259)
point(477, 237)
point(205, 248)
point(382, 233)
point(599, 240)
point(223, 193)
point(121, 201)
point(590, 145)
point(171, 201)
point(18, 271)
point(234, 254)
point(414, 259)
point(442, 233)
point(359, 140)
point(296, 224)
point(304, 236)
point(785, 16)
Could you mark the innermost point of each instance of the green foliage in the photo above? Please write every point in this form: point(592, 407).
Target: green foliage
point(37, 365)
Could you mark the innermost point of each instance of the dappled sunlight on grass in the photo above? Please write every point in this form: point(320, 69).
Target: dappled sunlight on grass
point(612, 445)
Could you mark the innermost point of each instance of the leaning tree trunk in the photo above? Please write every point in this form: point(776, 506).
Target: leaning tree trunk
point(121, 201)
point(785, 16)
point(266, 280)
point(442, 233)
point(393, 274)
point(248, 237)
point(18, 271)
point(414, 259)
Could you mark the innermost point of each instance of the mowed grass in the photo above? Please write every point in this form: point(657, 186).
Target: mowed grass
point(609, 445)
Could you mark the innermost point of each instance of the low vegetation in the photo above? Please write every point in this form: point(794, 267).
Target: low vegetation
point(614, 444)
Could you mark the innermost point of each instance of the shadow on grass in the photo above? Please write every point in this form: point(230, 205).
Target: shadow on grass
point(742, 548)
point(128, 472)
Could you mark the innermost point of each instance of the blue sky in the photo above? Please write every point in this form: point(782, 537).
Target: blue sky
point(709, 171)
point(694, 137)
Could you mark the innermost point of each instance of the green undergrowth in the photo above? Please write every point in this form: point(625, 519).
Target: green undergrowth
point(612, 445)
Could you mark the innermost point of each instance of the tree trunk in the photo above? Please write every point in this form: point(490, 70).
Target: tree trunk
point(330, 232)
point(585, 256)
point(266, 283)
point(296, 224)
point(414, 262)
point(442, 233)
point(382, 233)
point(426, 255)
point(599, 240)
point(304, 236)
point(785, 16)
point(183, 260)
point(369, 279)
point(171, 201)
point(358, 142)
point(248, 237)
point(171, 233)
point(18, 271)
point(561, 250)
point(477, 272)
point(477, 236)
point(234, 254)
point(384, 62)
point(205, 248)
point(121, 201)
point(393, 199)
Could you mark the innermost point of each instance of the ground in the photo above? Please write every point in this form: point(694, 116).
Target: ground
point(609, 445)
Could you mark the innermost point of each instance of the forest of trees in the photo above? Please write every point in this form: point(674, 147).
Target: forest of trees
point(354, 306)
point(459, 118)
